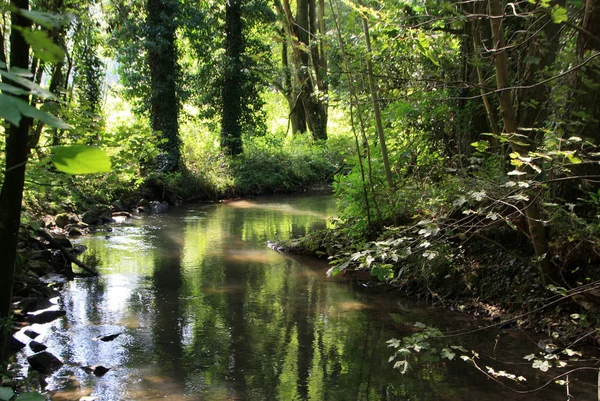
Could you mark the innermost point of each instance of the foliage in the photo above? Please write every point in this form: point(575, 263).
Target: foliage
point(278, 164)
point(421, 344)
point(7, 394)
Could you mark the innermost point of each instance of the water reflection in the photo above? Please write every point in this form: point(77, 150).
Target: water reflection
point(207, 312)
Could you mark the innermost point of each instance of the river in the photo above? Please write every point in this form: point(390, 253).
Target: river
point(206, 311)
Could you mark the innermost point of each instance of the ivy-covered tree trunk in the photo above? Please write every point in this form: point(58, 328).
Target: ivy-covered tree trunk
point(231, 128)
point(11, 194)
point(309, 89)
point(164, 71)
point(297, 117)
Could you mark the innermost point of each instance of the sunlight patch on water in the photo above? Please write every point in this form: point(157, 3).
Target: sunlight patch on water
point(351, 306)
point(280, 207)
point(72, 394)
point(251, 256)
point(230, 289)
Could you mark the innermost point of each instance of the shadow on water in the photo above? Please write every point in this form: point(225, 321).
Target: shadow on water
point(206, 311)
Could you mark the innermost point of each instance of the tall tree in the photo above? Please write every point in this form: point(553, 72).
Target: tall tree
point(228, 65)
point(529, 111)
point(161, 24)
point(11, 194)
point(308, 94)
point(231, 113)
point(375, 100)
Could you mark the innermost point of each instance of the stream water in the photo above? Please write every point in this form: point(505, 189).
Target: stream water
point(206, 311)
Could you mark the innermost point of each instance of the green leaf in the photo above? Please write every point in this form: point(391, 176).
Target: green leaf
point(80, 159)
point(6, 88)
point(9, 110)
point(43, 47)
point(12, 109)
point(448, 354)
point(21, 77)
point(559, 14)
point(6, 393)
point(46, 118)
point(30, 396)
point(47, 20)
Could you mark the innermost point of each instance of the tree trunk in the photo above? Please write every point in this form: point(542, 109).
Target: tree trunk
point(231, 128)
point(375, 99)
point(549, 274)
point(490, 113)
point(164, 71)
point(11, 194)
point(309, 88)
point(297, 119)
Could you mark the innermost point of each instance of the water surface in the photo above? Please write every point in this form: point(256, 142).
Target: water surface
point(207, 311)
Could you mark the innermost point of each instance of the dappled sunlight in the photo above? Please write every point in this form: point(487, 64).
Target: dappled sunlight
point(351, 306)
point(308, 273)
point(130, 322)
point(158, 388)
point(252, 256)
point(230, 289)
point(204, 310)
point(72, 394)
point(286, 208)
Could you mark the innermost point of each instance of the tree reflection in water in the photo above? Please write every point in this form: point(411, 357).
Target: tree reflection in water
point(209, 312)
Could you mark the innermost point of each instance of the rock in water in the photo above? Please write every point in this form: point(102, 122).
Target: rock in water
point(98, 214)
point(46, 317)
point(109, 337)
point(34, 303)
point(97, 370)
point(44, 362)
point(159, 207)
point(37, 347)
point(15, 345)
point(31, 333)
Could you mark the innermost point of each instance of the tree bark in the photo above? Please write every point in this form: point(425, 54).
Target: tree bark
point(549, 274)
point(309, 88)
point(164, 71)
point(375, 99)
point(231, 128)
point(491, 115)
point(11, 194)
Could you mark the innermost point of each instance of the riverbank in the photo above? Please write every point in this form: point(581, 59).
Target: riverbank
point(493, 277)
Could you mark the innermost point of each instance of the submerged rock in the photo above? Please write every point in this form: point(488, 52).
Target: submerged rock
point(159, 207)
point(79, 249)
